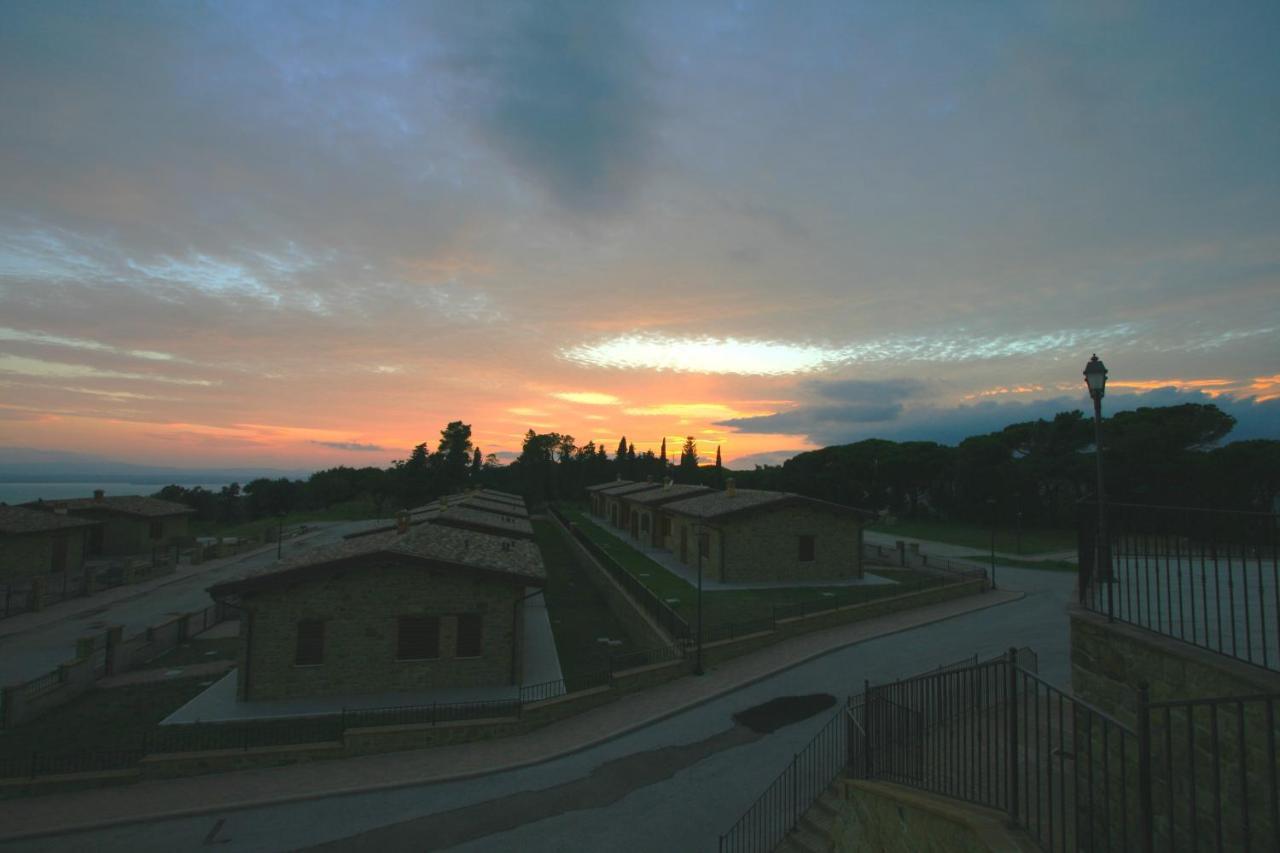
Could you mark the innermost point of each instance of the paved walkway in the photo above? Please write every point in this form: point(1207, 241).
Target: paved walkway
point(151, 676)
point(157, 800)
point(668, 561)
point(948, 549)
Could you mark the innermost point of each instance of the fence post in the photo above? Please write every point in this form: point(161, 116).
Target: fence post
point(795, 792)
point(1145, 829)
point(866, 728)
point(1011, 709)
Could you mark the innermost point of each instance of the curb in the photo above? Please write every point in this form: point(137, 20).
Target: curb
point(69, 829)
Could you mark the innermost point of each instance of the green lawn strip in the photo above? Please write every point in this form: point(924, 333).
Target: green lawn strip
point(197, 651)
point(579, 613)
point(347, 511)
point(1046, 565)
point(101, 720)
point(722, 608)
point(1031, 541)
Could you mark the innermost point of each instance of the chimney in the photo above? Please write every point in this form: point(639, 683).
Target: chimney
point(402, 522)
point(730, 487)
point(98, 495)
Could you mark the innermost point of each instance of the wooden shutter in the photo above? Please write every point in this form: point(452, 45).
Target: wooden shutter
point(419, 638)
point(310, 643)
point(470, 635)
point(806, 547)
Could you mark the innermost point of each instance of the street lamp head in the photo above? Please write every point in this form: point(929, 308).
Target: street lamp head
point(1095, 376)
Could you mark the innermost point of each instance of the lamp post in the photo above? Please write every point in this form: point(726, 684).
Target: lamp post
point(700, 532)
point(1095, 377)
point(991, 508)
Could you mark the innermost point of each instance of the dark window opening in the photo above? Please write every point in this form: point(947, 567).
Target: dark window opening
point(157, 529)
point(418, 638)
point(310, 650)
point(806, 548)
point(60, 554)
point(469, 635)
point(644, 524)
point(704, 545)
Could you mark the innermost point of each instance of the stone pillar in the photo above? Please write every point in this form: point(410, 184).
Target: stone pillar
point(85, 647)
point(902, 552)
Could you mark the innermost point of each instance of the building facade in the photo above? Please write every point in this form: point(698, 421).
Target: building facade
point(38, 543)
point(126, 525)
point(417, 608)
point(756, 535)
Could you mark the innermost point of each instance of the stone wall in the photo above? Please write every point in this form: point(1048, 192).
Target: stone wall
point(360, 611)
point(1109, 660)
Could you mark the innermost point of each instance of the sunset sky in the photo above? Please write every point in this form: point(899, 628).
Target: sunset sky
point(304, 234)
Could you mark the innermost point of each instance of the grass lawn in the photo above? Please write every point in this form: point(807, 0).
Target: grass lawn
point(101, 719)
point(579, 613)
point(348, 511)
point(1032, 540)
point(742, 605)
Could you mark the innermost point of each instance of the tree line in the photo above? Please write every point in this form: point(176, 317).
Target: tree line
point(1035, 470)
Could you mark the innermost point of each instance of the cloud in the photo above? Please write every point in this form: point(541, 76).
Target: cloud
point(565, 93)
point(350, 445)
point(587, 398)
point(827, 425)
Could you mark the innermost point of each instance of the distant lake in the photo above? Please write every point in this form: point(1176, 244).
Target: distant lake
point(18, 493)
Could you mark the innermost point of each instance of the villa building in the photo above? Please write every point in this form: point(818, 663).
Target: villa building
point(649, 524)
point(36, 543)
point(418, 607)
point(757, 535)
point(612, 504)
point(126, 524)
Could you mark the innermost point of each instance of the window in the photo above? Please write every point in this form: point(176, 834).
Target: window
point(310, 650)
point(644, 524)
point(418, 638)
point(666, 527)
point(157, 529)
point(806, 547)
point(469, 635)
point(704, 545)
point(59, 554)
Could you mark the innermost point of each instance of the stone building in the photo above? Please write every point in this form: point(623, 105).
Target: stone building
point(650, 525)
point(127, 524)
point(757, 535)
point(414, 608)
point(37, 543)
point(612, 505)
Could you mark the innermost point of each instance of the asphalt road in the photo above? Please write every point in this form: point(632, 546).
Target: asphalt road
point(671, 786)
point(33, 644)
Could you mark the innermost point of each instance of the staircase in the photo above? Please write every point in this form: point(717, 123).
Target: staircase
point(813, 833)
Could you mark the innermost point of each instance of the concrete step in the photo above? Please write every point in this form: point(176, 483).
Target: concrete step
point(809, 841)
point(817, 821)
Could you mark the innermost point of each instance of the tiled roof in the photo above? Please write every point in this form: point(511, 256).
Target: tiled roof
point(460, 516)
point(716, 504)
point(16, 519)
point(674, 492)
point(432, 545)
point(598, 487)
point(490, 506)
point(123, 504)
point(627, 488)
point(494, 494)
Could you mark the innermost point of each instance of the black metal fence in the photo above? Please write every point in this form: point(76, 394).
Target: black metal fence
point(668, 619)
point(1206, 577)
point(1213, 770)
point(779, 809)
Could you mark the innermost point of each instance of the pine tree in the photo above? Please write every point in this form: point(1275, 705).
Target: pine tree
point(719, 469)
point(477, 462)
point(663, 455)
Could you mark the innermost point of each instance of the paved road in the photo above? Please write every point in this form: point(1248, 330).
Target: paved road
point(35, 643)
point(674, 785)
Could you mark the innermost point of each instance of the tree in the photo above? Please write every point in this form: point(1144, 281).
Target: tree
point(689, 460)
point(477, 464)
point(662, 456)
point(453, 455)
point(719, 469)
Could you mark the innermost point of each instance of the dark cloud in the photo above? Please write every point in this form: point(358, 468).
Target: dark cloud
point(567, 101)
point(869, 391)
point(351, 445)
point(827, 425)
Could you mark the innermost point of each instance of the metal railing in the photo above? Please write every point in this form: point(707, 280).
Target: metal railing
point(1212, 767)
point(1206, 577)
point(778, 810)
